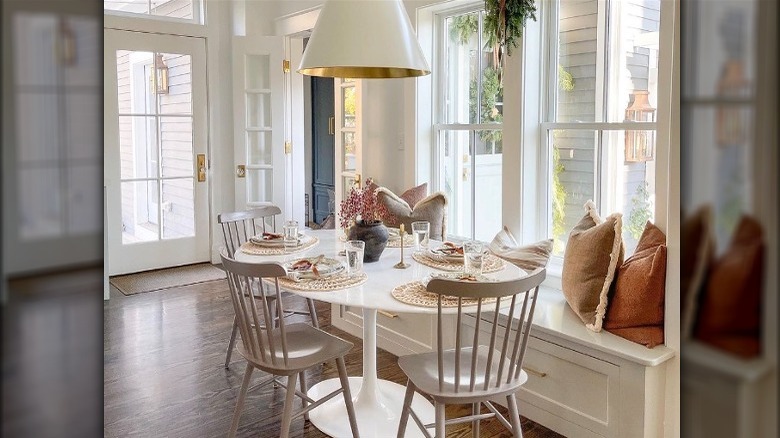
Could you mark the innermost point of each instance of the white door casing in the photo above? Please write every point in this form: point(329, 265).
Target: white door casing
point(181, 197)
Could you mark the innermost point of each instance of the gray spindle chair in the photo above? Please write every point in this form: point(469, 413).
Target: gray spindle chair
point(237, 228)
point(283, 349)
point(476, 373)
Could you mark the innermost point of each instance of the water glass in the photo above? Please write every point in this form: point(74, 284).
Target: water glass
point(421, 230)
point(354, 249)
point(291, 235)
point(472, 257)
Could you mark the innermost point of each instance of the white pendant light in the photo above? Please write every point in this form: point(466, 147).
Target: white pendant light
point(363, 39)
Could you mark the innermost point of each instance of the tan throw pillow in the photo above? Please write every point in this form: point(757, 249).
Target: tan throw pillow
point(698, 249)
point(528, 257)
point(593, 253)
point(432, 209)
point(637, 302)
point(415, 194)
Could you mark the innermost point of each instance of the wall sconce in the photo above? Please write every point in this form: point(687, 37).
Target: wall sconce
point(640, 145)
point(161, 75)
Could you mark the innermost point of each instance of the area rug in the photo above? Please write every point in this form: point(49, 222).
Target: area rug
point(161, 279)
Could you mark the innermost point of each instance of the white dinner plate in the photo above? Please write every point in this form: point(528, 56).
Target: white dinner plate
point(323, 267)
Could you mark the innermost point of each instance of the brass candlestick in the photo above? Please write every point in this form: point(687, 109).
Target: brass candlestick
point(402, 264)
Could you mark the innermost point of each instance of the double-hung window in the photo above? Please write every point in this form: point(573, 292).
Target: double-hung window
point(468, 121)
point(599, 116)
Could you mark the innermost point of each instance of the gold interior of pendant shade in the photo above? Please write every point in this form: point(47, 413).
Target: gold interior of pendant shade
point(363, 72)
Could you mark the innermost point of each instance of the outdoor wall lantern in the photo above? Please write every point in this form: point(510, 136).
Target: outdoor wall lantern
point(161, 74)
point(640, 145)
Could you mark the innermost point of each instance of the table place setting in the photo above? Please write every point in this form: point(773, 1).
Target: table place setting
point(291, 241)
point(415, 293)
point(320, 273)
point(451, 257)
point(394, 238)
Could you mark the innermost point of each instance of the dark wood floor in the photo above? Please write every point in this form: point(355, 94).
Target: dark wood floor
point(164, 373)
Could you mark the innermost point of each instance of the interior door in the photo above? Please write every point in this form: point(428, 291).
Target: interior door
point(348, 148)
point(258, 95)
point(323, 151)
point(155, 168)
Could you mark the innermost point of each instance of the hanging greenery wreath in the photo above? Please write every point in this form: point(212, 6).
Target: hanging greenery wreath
point(504, 22)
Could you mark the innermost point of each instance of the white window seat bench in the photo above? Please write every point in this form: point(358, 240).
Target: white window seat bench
point(586, 384)
point(581, 383)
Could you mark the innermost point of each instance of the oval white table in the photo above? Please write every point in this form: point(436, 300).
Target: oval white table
point(377, 402)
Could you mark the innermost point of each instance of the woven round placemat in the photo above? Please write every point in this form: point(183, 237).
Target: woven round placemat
point(392, 242)
point(490, 263)
point(396, 242)
point(334, 282)
point(254, 249)
point(415, 293)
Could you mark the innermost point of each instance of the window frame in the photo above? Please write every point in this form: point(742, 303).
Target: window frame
point(606, 67)
point(198, 12)
point(438, 104)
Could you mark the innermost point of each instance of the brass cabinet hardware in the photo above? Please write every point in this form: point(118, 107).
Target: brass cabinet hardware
point(240, 171)
point(387, 314)
point(332, 125)
point(534, 372)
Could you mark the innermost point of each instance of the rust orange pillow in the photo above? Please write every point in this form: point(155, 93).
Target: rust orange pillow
point(730, 311)
point(636, 307)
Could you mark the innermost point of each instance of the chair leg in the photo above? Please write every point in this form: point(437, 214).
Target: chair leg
point(440, 430)
point(304, 389)
point(232, 343)
point(406, 409)
point(241, 399)
point(514, 416)
point(347, 396)
point(475, 424)
point(288, 404)
point(313, 312)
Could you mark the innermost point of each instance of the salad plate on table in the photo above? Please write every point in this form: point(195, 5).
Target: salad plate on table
point(311, 268)
point(447, 252)
point(273, 240)
point(460, 276)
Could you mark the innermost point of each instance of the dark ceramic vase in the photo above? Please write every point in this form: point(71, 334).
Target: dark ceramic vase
point(374, 234)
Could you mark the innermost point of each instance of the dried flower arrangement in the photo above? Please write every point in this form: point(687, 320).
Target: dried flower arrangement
point(361, 204)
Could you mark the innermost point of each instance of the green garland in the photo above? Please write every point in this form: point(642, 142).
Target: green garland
point(505, 21)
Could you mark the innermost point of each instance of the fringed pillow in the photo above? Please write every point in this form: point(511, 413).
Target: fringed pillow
point(593, 253)
point(528, 257)
point(432, 209)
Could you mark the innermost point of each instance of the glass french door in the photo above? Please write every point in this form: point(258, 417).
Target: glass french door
point(348, 135)
point(261, 149)
point(155, 151)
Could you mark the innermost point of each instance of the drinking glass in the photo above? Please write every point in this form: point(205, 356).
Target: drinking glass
point(421, 230)
point(291, 235)
point(354, 250)
point(472, 257)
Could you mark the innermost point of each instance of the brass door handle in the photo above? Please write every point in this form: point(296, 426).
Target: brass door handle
point(240, 171)
point(332, 125)
point(201, 166)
